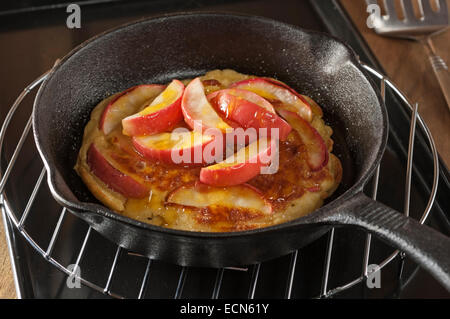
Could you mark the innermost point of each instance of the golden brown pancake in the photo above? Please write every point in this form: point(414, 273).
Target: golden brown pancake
point(293, 191)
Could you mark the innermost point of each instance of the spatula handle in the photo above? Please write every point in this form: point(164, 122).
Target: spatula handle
point(442, 73)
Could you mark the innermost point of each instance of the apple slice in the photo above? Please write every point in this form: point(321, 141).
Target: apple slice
point(247, 95)
point(161, 115)
point(241, 166)
point(198, 112)
point(273, 90)
point(306, 99)
point(234, 105)
point(201, 196)
point(118, 181)
point(315, 108)
point(126, 103)
point(315, 146)
point(186, 147)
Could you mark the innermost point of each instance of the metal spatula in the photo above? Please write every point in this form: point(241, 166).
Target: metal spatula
point(418, 29)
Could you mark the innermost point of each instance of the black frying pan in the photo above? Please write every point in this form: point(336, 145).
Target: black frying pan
point(184, 46)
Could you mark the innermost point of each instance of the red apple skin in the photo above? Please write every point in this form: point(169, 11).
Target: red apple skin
point(109, 120)
point(249, 115)
point(230, 176)
point(247, 95)
point(317, 150)
point(162, 120)
point(165, 155)
point(303, 108)
point(112, 177)
point(236, 174)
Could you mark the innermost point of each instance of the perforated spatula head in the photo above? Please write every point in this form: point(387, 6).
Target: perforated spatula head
point(411, 27)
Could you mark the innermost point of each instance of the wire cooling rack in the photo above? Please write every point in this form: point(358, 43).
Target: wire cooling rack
point(19, 218)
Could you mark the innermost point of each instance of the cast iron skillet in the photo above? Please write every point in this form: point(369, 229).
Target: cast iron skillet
point(186, 45)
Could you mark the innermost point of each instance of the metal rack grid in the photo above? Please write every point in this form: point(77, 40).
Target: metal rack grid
point(325, 291)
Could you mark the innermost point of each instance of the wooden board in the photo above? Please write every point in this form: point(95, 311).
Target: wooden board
point(7, 289)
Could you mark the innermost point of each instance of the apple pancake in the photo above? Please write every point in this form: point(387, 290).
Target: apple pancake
point(134, 176)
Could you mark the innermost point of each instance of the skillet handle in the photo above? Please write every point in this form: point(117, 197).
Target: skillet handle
point(426, 246)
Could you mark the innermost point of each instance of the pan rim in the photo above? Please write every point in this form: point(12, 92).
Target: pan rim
point(314, 217)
